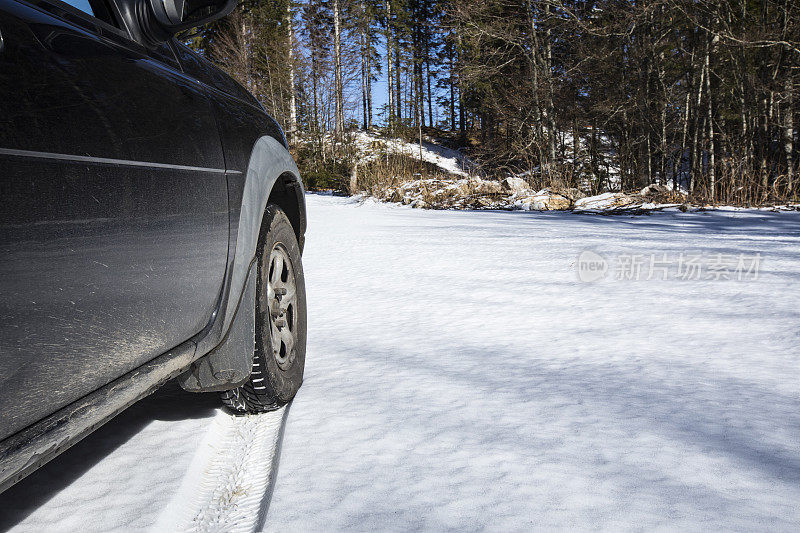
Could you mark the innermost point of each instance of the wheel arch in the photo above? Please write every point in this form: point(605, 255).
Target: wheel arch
point(287, 193)
point(271, 177)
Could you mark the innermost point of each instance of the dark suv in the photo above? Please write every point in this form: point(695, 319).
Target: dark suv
point(151, 225)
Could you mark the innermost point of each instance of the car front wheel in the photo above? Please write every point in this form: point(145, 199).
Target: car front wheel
point(280, 348)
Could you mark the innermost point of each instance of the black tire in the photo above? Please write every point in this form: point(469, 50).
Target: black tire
point(275, 377)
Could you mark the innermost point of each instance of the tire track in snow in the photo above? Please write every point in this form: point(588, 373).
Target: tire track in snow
point(229, 483)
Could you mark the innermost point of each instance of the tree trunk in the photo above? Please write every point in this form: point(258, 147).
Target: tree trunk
point(315, 88)
point(399, 99)
point(534, 66)
point(363, 45)
point(337, 59)
point(763, 151)
point(788, 133)
point(369, 78)
point(676, 181)
point(461, 114)
point(696, 159)
point(389, 70)
point(430, 92)
point(452, 89)
point(576, 147)
point(416, 77)
point(292, 68)
point(551, 124)
point(649, 159)
point(595, 168)
point(662, 178)
point(712, 181)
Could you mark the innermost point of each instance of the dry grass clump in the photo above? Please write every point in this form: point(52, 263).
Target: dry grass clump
point(388, 170)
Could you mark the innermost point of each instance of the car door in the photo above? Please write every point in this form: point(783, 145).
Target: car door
point(114, 213)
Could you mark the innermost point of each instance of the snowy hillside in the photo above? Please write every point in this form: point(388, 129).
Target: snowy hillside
point(460, 376)
point(448, 160)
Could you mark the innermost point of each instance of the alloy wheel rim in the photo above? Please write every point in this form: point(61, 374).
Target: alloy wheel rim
point(282, 306)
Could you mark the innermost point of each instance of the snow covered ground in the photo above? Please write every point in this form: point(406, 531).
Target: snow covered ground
point(460, 376)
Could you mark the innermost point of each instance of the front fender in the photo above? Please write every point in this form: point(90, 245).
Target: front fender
point(230, 344)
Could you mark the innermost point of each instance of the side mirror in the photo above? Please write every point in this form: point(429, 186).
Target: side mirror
point(173, 16)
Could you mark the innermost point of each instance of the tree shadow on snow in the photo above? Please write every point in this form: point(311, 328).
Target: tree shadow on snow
point(745, 223)
point(169, 403)
point(731, 417)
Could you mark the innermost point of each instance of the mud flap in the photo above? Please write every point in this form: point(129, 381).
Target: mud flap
point(228, 365)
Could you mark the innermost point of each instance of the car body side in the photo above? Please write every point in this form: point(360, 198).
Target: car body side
point(208, 177)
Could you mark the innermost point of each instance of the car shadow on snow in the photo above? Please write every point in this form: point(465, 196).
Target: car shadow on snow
point(169, 403)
